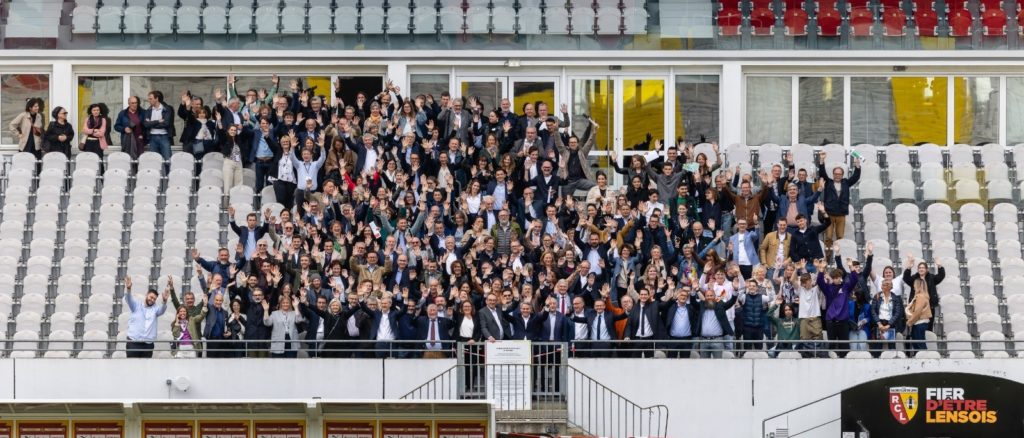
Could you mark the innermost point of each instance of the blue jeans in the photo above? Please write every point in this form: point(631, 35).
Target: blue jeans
point(858, 335)
point(160, 144)
point(917, 334)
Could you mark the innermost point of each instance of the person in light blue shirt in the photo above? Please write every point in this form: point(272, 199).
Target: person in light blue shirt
point(306, 171)
point(142, 323)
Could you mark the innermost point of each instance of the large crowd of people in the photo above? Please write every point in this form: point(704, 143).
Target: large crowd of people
point(410, 223)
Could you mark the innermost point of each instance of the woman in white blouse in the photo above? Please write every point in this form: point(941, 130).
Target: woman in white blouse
point(467, 329)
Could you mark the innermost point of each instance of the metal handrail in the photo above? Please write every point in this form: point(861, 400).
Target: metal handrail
point(575, 349)
point(764, 422)
point(596, 422)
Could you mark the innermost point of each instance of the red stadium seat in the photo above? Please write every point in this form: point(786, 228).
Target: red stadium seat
point(726, 5)
point(822, 5)
point(796, 22)
point(793, 4)
point(894, 22)
point(956, 5)
point(829, 22)
point(762, 22)
point(861, 22)
point(924, 4)
point(991, 4)
point(960, 22)
point(1020, 22)
point(993, 22)
point(729, 22)
point(927, 22)
point(855, 4)
point(759, 4)
point(892, 4)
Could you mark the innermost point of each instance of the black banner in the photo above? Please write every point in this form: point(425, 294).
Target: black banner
point(952, 405)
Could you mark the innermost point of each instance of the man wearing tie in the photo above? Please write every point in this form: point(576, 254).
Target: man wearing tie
point(563, 302)
point(681, 323)
point(493, 326)
point(385, 327)
point(435, 331)
point(600, 328)
point(456, 120)
point(555, 327)
point(644, 326)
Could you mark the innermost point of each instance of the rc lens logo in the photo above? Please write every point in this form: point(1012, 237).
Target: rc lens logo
point(942, 406)
point(903, 403)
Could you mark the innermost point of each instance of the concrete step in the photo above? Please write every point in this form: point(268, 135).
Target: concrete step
point(540, 420)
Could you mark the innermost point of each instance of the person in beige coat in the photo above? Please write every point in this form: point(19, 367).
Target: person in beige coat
point(28, 127)
point(919, 312)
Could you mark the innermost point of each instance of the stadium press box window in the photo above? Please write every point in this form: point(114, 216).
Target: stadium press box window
point(42, 429)
point(280, 429)
point(223, 429)
point(168, 429)
point(336, 429)
point(98, 429)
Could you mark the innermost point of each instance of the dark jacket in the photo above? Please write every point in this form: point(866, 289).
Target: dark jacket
point(192, 127)
point(165, 122)
point(524, 330)
point(563, 328)
point(838, 203)
point(124, 121)
point(50, 141)
point(244, 146)
point(805, 245)
point(931, 280)
point(719, 308)
point(633, 324)
point(899, 317)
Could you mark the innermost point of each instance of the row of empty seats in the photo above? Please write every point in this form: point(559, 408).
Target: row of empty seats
point(860, 20)
point(583, 19)
point(64, 251)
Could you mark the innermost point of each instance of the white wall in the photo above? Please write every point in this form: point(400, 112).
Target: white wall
point(727, 398)
point(730, 398)
point(343, 379)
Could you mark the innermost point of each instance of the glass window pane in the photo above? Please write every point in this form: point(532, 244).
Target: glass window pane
point(976, 110)
point(821, 110)
point(256, 84)
point(172, 87)
point(488, 93)
point(907, 110)
point(697, 108)
point(432, 84)
point(15, 89)
point(643, 112)
point(594, 98)
point(103, 90)
point(769, 110)
point(353, 85)
point(535, 93)
point(1014, 110)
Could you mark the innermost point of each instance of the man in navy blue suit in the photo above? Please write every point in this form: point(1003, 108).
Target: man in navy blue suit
point(436, 331)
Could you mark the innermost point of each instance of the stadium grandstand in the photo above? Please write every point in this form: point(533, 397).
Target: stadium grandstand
point(465, 218)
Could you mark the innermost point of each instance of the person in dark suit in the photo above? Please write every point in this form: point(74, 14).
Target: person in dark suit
point(316, 328)
point(265, 151)
point(493, 327)
point(386, 326)
point(358, 331)
point(644, 326)
point(680, 318)
point(547, 185)
point(249, 235)
point(600, 329)
point(554, 327)
point(436, 331)
point(523, 323)
point(333, 318)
